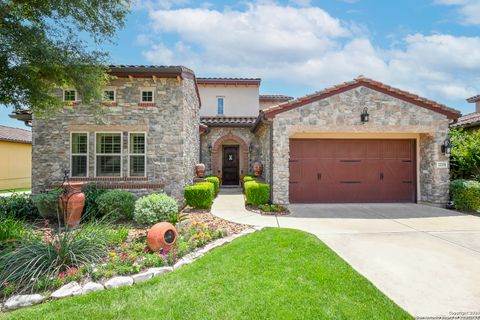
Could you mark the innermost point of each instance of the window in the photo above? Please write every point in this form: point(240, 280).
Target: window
point(220, 101)
point(136, 154)
point(147, 96)
point(79, 154)
point(108, 154)
point(109, 95)
point(69, 95)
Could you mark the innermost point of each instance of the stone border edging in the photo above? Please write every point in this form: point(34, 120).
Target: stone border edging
point(74, 288)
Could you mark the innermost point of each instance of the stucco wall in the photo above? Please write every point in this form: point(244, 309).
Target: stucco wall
point(239, 100)
point(341, 114)
point(15, 165)
point(172, 136)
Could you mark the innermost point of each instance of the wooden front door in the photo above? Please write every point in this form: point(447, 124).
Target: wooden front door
point(230, 166)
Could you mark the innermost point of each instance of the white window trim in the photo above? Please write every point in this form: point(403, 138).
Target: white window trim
point(109, 154)
point(136, 154)
point(145, 90)
point(76, 95)
point(114, 94)
point(79, 154)
point(223, 97)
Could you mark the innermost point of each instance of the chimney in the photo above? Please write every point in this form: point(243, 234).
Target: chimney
point(477, 106)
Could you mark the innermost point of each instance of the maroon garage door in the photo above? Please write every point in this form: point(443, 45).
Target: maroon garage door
point(328, 170)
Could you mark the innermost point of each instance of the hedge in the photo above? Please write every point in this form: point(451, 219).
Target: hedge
point(116, 205)
point(465, 194)
point(247, 178)
point(200, 195)
point(215, 181)
point(257, 193)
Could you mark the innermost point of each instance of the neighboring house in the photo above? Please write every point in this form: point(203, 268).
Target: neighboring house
point(470, 121)
point(314, 149)
point(15, 158)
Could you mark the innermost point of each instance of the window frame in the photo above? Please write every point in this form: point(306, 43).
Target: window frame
point(76, 95)
point(136, 154)
point(223, 106)
point(152, 90)
point(108, 154)
point(79, 154)
point(114, 95)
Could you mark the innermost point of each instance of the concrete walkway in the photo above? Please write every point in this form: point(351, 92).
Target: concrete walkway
point(425, 259)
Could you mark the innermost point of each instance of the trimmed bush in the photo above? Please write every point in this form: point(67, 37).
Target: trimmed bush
point(116, 205)
point(200, 195)
point(91, 211)
point(257, 193)
point(48, 203)
point(19, 206)
point(465, 194)
point(247, 178)
point(154, 208)
point(215, 181)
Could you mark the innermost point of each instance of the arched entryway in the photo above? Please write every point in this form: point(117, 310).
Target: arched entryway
point(230, 159)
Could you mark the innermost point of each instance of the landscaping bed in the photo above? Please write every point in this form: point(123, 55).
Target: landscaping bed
point(268, 209)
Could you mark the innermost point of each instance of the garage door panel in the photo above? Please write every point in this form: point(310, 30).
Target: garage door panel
point(352, 171)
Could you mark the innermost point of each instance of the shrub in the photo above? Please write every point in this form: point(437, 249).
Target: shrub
point(176, 217)
point(12, 231)
point(112, 235)
point(116, 205)
point(247, 178)
point(91, 210)
point(465, 158)
point(199, 195)
point(19, 206)
point(465, 194)
point(257, 193)
point(48, 203)
point(272, 208)
point(215, 181)
point(154, 208)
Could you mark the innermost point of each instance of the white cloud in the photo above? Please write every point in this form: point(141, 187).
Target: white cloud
point(307, 46)
point(468, 9)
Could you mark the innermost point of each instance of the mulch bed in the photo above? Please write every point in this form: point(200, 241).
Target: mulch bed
point(259, 211)
point(205, 217)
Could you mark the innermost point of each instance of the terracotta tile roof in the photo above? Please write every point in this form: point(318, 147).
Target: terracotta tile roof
point(468, 120)
point(369, 83)
point(228, 121)
point(474, 99)
point(229, 81)
point(15, 135)
point(274, 97)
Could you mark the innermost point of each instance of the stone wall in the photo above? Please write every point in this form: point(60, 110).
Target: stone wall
point(262, 149)
point(341, 114)
point(172, 136)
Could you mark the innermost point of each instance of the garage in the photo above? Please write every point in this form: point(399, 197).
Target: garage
point(352, 170)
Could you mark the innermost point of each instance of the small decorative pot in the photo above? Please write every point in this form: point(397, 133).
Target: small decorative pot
point(161, 235)
point(200, 170)
point(257, 169)
point(72, 204)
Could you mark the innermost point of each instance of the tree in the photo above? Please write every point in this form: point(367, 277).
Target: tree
point(465, 158)
point(43, 48)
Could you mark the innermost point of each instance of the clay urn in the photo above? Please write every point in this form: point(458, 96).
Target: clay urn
point(161, 235)
point(257, 169)
point(72, 202)
point(200, 170)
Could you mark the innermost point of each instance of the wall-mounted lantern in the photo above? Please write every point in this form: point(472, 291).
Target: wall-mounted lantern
point(364, 117)
point(447, 147)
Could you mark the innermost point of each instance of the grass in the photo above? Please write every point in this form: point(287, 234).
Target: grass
point(15, 190)
point(271, 274)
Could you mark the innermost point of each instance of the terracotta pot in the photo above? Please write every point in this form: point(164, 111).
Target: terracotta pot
point(161, 235)
point(72, 204)
point(257, 169)
point(200, 170)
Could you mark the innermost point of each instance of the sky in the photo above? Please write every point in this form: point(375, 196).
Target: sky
point(297, 47)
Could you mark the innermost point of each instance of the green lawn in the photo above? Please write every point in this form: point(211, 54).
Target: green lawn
point(271, 274)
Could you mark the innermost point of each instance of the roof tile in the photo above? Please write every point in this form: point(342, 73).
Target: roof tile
point(15, 135)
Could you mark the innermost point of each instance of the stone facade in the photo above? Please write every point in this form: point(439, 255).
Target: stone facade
point(171, 127)
point(340, 114)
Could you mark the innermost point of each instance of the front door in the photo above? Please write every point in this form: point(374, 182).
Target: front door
point(230, 166)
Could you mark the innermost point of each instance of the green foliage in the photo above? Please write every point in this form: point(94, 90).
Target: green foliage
point(48, 203)
point(116, 205)
point(91, 211)
point(199, 195)
point(42, 47)
point(465, 194)
point(112, 235)
point(247, 178)
point(272, 208)
point(154, 208)
point(465, 158)
point(257, 193)
point(176, 217)
point(12, 231)
point(215, 181)
point(19, 206)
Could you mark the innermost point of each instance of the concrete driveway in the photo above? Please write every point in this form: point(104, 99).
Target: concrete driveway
point(425, 259)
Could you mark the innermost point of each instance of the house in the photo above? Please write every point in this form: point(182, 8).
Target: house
point(470, 121)
point(359, 141)
point(15, 158)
